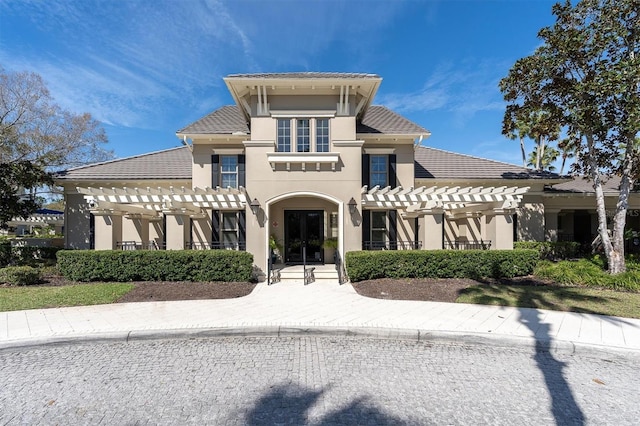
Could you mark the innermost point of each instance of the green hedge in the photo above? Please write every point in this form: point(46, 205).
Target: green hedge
point(155, 265)
point(551, 250)
point(366, 265)
point(19, 275)
point(25, 255)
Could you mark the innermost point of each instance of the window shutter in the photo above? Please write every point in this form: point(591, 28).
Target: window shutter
point(242, 230)
point(393, 229)
point(365, 170)
point(215, 227)
point(215, 170)
point(416, 234)
point(392, 171)
point(366, 227)
point(242, 180)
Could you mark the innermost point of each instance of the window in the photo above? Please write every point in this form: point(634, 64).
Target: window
point(378, 171)
point(228, 171)
point(284, 135)
point(229, 230)
point(306, 130)
point(378, 229)
point(322, 135)
point(304, 141)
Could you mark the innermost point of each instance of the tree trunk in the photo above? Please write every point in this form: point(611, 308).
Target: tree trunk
point(524, 155)
point(613, 249)
point(564, 160)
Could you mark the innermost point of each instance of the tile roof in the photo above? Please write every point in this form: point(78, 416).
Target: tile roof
point(381, 120)
point(432, 163)
point(306, 75)
point(225, 120)
point(174, 163)
point(378, 120)
point(582, 184)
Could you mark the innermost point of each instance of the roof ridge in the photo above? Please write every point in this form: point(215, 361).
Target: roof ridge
point(115, 160)
point(475, 157)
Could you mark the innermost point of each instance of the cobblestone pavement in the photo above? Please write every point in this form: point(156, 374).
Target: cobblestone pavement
point(312, 380)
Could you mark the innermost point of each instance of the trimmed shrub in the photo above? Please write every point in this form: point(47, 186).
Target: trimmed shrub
point(367, 265)
point(19, 275)
point(155, 265)
point(5, 253)
point(551, 250)
point(25, 255)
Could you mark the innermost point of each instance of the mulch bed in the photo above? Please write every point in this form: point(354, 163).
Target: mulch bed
point(435, 290)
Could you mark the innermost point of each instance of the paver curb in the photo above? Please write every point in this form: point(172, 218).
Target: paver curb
point(470, 338)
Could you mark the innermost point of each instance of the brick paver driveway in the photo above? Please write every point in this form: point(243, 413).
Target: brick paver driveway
point(312, 380)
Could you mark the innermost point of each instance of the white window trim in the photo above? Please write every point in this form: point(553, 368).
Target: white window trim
point(386, 171)
point(222, 172)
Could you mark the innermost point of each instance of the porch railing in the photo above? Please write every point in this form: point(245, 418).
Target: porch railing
point(391, 245)
point(137, 245)
point(192, 245)
point(467, 245)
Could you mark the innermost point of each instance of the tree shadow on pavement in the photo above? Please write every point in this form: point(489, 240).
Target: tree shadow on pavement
point(564, 407)
point(289, 404)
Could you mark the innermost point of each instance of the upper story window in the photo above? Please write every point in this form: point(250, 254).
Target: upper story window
point(322, 135)
point(284, 135)
point(229, 171)
point(379, 170)
point(304, 135)
point(312, 135)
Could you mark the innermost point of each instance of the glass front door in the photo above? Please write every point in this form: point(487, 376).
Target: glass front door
point(303, 229)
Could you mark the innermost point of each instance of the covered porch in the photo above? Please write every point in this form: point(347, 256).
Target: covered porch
point(434, 218)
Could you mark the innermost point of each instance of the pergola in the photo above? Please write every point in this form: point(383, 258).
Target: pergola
point(416, 202)
point(153, 201)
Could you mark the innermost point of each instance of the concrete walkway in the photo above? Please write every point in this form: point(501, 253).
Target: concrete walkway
point(291, 307)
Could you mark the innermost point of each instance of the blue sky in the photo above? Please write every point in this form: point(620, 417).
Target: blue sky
point(146, 68)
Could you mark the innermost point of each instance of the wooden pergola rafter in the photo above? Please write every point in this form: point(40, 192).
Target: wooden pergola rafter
point(423, 200)
point(152, 201)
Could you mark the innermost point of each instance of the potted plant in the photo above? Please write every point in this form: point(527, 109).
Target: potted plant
point(275, 248)
point(332, 245)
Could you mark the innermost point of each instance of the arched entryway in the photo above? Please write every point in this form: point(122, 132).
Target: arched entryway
point(301, 223)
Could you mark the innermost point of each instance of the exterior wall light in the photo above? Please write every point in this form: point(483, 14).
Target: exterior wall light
point(353, 205)
point(255, 206)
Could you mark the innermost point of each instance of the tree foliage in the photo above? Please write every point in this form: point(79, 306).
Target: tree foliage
point(37, 136)
point(586, 78)
point(17, 180)
point(34, 128)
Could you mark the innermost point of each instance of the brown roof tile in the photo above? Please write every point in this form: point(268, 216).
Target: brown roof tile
point(225, 120)
point(174, 163)
point(432, 163)
point(381, 120)
point(582, 184)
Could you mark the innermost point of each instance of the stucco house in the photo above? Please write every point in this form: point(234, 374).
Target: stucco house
point(303, 158)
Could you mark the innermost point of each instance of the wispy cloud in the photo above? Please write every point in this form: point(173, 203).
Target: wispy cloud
point(120, 60)
point(463, 89)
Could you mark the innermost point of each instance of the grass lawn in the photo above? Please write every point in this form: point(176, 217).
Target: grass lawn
point(573, 299)
point(18, 298)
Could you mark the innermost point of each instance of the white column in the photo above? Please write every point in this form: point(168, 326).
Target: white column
point(107, 230)
point(177, 231)
point(432, 230)
point(500, 229)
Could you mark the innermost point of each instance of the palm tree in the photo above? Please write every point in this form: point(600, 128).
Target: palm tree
point(546, 162)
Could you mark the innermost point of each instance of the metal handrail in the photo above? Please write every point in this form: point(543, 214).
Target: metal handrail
point(467, 245)
point(342, 272)
point(391, 245)
point(192, 245)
